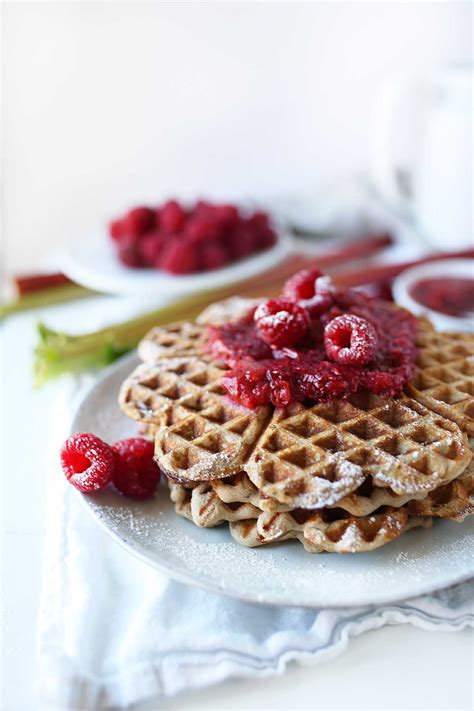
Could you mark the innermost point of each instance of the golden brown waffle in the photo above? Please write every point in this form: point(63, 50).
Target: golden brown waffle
point(444, 379)
point(324, 530)
point(331, 531)
point(452, 500)
point(184, 338)
point(314, 456)
point(156, 387)
point(177, 340)
point(201, 433)
point(310, 457)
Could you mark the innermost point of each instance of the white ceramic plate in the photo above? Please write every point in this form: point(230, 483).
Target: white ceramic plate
point(420, 561)
point(93, 263)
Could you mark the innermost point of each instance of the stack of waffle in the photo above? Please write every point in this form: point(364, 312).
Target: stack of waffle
point(343, 477)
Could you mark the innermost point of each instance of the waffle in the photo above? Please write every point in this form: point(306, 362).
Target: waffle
point(238, 489)
point(444, 378)
point(306, 456)
point(323, 530)
point(335, 532)
point(183, 339)
point(200, 433)
point(314, 456)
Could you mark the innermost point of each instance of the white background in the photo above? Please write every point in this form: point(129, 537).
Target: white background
point(105, 104)
point(110, 103)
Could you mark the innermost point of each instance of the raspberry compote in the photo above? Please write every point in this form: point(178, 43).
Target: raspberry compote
point(452, 296)
point(316, 343)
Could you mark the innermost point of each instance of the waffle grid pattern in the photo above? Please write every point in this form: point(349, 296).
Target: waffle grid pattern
point(312, 457)
point(444, 379)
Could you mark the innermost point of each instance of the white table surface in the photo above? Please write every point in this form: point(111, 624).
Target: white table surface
point(392, 668)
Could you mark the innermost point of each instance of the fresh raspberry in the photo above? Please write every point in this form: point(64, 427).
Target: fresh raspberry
point(151, 246)
point(172, 217)
point(138, 221)
point(281, 323)
point(179, 257)
point(213, 256)
point(350, 340)
point(266, 238)
point(226, 214)
point(116, 229)
point(323, 299)
point(301, 284)
point(201, 229)
point(128, 252)
point(136, 473)
point(87, 462)
point(241, 243)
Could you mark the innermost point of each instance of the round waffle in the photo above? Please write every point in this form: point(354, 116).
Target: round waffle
point(358, 454)
point(333, 530)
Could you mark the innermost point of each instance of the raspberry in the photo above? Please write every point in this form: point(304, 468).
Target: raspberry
point(151, 246)
point(226, 214)
point(179, 257)
point(138, 221)
point(201, 229)
point(266, 238)
point(350, 340)
point(323, 297)
point(213, 256)
point(281, 323)
point(301, 284)
point(241, 243)
point(87, 462)
point(128, 252)
point(116, 229)
point(172, 217)
point(136, 473)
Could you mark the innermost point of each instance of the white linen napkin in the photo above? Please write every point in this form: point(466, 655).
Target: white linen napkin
point(114, 632)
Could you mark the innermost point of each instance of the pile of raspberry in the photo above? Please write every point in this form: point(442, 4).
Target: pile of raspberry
point(182, 240)
point(90, 464)
point(316, 343)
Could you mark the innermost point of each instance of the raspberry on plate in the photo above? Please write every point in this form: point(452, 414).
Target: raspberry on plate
point(281, 323)
point(350, 340)
point(137, 221)
point(189, 239)
point(136, 473)
point(87, 462)
point(172, 217)
point(179, 258)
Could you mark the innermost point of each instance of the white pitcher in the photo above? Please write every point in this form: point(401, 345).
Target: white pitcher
point(432, 181)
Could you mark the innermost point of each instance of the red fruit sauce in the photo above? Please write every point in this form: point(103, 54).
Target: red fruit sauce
point(452, 296)
point(187, 240)
point(357, 344)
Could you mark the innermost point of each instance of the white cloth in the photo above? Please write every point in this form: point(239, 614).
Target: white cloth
point(114, 632)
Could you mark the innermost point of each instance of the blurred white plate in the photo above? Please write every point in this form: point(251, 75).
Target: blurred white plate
point(94, 263)
point(420, 561)
point(462, 268)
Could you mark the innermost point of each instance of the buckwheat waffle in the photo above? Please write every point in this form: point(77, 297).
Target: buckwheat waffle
point(238, 489)
point(444, 379)
point(186, 339)
point(177, 340)
point(324, 530)
point(334, 531)
point(314, 456)
point(310, 457)
point(201, 434)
